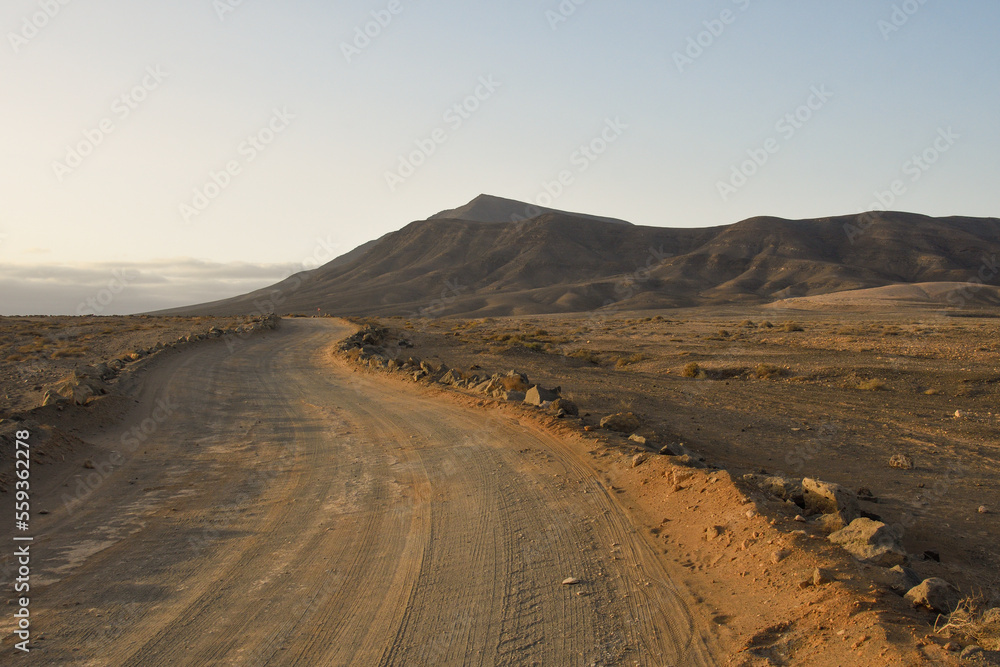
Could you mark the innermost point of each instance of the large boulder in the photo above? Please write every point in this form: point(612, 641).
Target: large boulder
point(871, 542)
point(935, 594)
point(828, 498)
point(622, 422)
point(537, 395)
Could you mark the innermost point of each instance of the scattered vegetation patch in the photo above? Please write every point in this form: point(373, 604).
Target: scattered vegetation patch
point(792, 327)
point(622, 362)
point(585, 355)
point(873, 385)
point(769, 371)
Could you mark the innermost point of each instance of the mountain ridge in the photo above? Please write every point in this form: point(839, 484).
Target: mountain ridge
point(559, 262)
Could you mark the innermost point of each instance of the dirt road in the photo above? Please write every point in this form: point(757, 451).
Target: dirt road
point(275, 507)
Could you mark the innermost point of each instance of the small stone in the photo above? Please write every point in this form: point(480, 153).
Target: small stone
point(570, 581)
point(971, 651)
point(88, 464)
point(983, 510)
point(638, 439)
point(713, 532)
point(953, 647)
point(800, 518)
point(821, 577)
point(639, 459)
point(959, 414)
point(779, 556)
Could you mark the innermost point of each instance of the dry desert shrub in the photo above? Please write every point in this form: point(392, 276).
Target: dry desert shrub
point(792, 327)
point(70, 352)
point(693, 370)
point(586, 355)
point(622, 362)
point(974, 619)
point(769, 371)
point(873, 385)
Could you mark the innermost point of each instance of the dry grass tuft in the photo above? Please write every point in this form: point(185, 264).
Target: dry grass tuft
point(586, 355)
point(622, 362)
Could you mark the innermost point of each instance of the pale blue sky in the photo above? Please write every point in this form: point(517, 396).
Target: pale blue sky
point(324, 174)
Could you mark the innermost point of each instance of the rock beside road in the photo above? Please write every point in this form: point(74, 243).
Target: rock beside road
point(622, 422)
point(871, 542)
point(829, 498)
point(537, 395)
point(934, 594)
point(565, 405)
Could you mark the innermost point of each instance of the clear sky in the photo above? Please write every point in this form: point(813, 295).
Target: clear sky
point(174, 152)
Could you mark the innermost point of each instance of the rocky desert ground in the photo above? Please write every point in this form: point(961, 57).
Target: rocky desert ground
point(744, 486)
point(899, 408)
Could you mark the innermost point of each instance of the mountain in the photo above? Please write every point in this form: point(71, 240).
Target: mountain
point(556, 261)
point(487, 208)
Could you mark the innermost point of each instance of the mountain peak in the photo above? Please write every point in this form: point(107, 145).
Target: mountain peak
point(492, 209)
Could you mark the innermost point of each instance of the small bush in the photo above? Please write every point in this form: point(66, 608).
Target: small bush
point(791, 327)
point(973, 619)
point(622, 362)
point(692, 370)
point(873, 385)
point(749, 324)
point(768, 371)
point(766, 325)
point(70, 352)
point(585, 355)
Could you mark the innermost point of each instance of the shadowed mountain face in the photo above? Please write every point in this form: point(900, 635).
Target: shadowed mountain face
point(562, 262)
